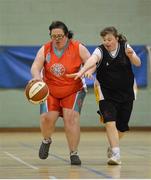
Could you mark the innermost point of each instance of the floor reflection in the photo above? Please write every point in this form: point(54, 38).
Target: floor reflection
point(114, 171)
point(69, 172)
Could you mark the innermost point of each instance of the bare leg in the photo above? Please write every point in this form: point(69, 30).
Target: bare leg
point(112, 134)
point(72, 128)
point(47, 123)
point(121, 134)
point(47, 126)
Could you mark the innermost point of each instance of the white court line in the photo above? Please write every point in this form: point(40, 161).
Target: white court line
point(52, 177)
point(21, 161)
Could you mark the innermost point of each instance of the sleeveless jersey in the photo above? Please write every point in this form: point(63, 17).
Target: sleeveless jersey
point(56, 68)
point(115, 75)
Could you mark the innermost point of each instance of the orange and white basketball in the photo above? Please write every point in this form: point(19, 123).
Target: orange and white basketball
point(36, 91)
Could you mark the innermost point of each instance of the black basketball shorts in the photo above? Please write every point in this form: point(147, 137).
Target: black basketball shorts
point(115, 111)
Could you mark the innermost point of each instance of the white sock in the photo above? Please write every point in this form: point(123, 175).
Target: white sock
point(46, 141)
point(73, 153)
point(116, 151)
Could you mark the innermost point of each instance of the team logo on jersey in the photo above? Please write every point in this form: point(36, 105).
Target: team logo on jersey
point(57, 69)
point(48, 56)
point(107, 64)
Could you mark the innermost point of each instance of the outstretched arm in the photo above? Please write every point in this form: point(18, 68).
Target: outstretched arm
point(89, 73)
point(90, 63)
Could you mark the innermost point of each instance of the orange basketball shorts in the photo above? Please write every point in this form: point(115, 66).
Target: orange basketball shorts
point(73, 101)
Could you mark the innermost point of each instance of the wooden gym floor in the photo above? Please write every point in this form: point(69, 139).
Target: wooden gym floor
point(19, 157)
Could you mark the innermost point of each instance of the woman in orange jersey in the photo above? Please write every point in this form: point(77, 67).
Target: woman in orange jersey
point(60, 56)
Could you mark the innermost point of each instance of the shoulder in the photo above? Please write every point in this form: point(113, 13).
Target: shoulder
point(47, 44)
point(73, 45)
point(47, 47)
point(41, 50)
point(98, 52)
point(78, 45)
point(74, 42)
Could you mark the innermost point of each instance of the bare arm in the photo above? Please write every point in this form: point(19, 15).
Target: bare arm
point(37, 65)
point(84, 53)
point(89, 73)
point(133, 56)
point(90, 63)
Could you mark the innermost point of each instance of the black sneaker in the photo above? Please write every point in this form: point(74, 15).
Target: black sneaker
point(44, 150)
point(75, 160)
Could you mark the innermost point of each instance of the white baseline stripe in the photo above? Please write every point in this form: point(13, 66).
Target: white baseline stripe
point(52, 177)
point(21, 161)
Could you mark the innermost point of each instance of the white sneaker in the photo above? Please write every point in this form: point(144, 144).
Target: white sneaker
point(109, 152)
point(114, 160)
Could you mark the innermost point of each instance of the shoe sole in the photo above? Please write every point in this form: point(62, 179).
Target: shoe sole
point(76, 164)
point(41, 157)
point(112, 162)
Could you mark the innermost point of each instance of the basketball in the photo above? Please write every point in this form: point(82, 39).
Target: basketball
point(36, 91)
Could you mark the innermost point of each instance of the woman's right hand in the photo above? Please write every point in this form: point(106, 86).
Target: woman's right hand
point(74, 75)
point(89, 75)
point(35, 78)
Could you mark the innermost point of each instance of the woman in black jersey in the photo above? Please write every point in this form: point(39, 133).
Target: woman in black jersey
point(114, 85)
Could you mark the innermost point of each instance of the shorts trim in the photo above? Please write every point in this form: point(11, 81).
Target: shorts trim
point(79, 101)
point(43, 107)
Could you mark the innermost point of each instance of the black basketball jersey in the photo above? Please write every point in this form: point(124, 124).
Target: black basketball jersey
point(115, 75)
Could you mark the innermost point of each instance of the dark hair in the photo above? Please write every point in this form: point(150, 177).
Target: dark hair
point(113, 30)
point(60, 25)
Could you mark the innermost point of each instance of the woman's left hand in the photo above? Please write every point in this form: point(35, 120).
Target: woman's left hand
point(129, 52)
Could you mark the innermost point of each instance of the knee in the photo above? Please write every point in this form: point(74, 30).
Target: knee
point(110, 124)
point(71, 120)
point(44, 118)
point(70, 124)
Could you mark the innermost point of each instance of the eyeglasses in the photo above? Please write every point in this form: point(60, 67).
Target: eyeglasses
point(57, 36)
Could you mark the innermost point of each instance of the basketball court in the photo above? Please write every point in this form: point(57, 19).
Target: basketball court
point(19, 157)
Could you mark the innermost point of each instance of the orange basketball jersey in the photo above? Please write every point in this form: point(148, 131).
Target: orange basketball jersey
point(56, 67)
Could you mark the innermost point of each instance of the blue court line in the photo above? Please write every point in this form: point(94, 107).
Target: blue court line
point(62, 159)
point(84, 167)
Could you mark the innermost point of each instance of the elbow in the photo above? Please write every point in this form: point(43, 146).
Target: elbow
point(138, 63)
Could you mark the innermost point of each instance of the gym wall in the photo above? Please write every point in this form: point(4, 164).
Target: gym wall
point(26, 22)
